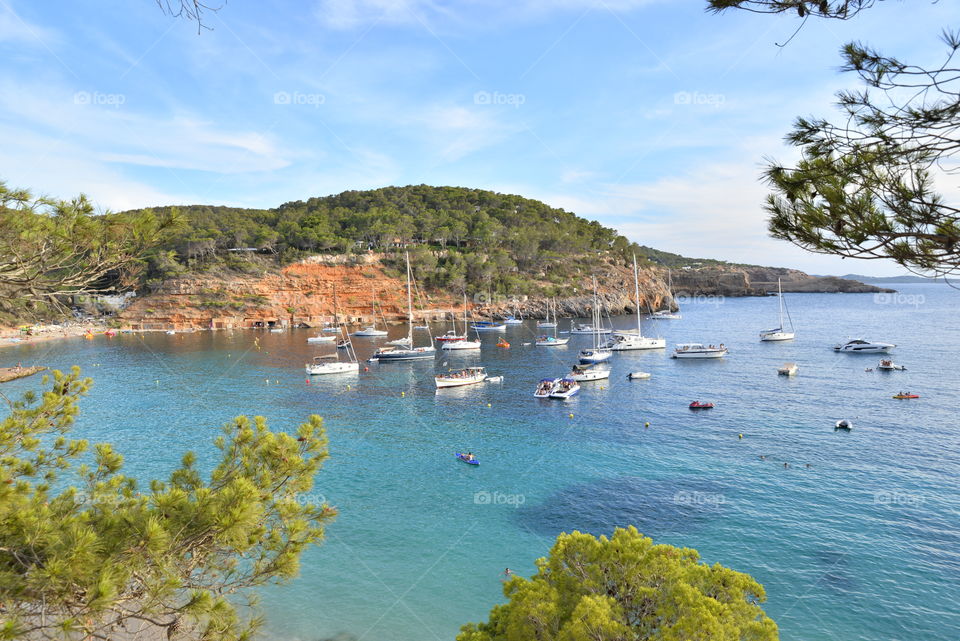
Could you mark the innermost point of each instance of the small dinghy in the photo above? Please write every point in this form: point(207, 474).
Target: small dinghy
point(468, 458)
point(906, 395)
point(494, 379)
point(697, 405)
point(636, 376)
point(321, 339)
point(843, 424)
point(889, 366)
point(787, 369)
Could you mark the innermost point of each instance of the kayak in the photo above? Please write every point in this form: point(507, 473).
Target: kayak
point(907, 396)
point(697, 405)
point(463, 457)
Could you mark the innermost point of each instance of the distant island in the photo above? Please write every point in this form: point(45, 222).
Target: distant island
point(906, 278)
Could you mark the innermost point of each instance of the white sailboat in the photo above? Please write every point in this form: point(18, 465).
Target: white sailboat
point(581, 373)
point(666, 314)
point(630, 340)
point(779, 334)
point(547, 323)
point(331, 363)
point(550, 341)
point(406, 352)
point(461, 343)
point(372, 329)
point(598, 353)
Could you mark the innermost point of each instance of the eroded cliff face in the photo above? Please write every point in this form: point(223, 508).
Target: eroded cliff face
point(305, 293)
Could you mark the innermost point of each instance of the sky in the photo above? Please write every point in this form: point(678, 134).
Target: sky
point(650, 116)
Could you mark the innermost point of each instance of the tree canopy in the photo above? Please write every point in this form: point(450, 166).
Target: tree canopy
point(86, 551)
point(865, 185)
point(52, 248)
point(626, 588)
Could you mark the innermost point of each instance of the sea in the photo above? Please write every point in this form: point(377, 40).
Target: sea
point(854, 535)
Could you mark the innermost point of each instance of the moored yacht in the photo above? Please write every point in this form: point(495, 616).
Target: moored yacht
point(331, 365)
point(628, 340)
point(581, 373)
point(461, 343)
point(779, 334)
point(699, 350)
point(860, 346)
point(406, 350)
point(459, 378)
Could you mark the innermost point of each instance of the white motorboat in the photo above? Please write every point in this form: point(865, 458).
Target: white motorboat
point(276, 330)
point(788, 369)
point(636, 376)
point(545, 387)
point(372, 329)
point(488, 326)
point(699, 350)
point(322, 339)
point(406, 352)
point(494, 379)
point(330, 365)
point(843, 424)
point(461, 377)
point(565, 388)
point(581, 373)
point(779, 334)
point(629, 340)
point(462, 342)
point(887, 365)
point(587, 328)
point(860, 346)
point(330, 328)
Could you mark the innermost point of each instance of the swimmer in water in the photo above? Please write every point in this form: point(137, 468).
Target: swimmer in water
point(786, 465)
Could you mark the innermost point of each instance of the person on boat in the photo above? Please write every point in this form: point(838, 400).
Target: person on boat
point(470, 456)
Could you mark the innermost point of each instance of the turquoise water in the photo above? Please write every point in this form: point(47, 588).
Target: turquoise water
point(864, 544)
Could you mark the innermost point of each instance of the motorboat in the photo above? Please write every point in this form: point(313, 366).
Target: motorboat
point(843, 424)
point(887, 365)
point(860, 346)
point(511, 320)
point(699, 350)
point(551, 341)
point(330, 328)
point(322, 339)
point(587, 328)
point(494, 379)
point(638, 376)
point(545, 387)
point(628, 340)
point(461, 377)
point(565, 388)
point(788, 369)
point(461, 343)
point(488, 326)
point(581, 373)
point(370, 331)
point(779, 334)
point(407, 351)
point(594, 355)
point(697, 405)
point(331, 365)
point(276, 330)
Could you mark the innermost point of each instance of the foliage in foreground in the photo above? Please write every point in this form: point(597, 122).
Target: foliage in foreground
point(84, 553)
point(866, 184)
point(625, 588)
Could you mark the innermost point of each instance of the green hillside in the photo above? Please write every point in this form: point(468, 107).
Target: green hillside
point(457, 237)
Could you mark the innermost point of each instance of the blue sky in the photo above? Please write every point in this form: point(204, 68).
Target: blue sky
point(650, 116)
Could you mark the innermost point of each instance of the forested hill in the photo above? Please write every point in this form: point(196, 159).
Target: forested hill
point(456, 236)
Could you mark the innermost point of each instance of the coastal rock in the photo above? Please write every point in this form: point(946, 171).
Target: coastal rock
point(740, 280)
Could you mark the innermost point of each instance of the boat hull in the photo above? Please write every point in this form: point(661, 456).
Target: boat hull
point(333, 368)
point(459, 345)
point(700, 355)
point(594, 356)
point(442, 382)
point(777, 336)
point(556, 342)
point(405, 355)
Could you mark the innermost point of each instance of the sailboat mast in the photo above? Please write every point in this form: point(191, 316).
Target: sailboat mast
point(636, 292)
point(780, 301)
point(409, 304)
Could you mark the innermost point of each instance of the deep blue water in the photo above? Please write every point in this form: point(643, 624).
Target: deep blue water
point(863, 544)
